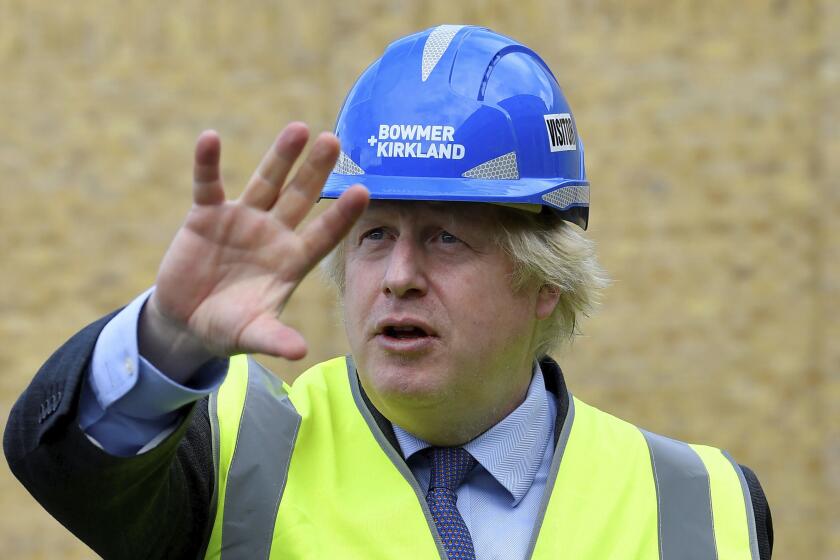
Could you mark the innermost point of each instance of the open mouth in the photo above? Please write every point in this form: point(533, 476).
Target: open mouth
point(407, 332)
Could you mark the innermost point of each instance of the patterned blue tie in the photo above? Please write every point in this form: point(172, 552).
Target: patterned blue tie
point(450, 466)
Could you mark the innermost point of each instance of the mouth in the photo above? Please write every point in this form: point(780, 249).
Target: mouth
point(404, 332)
point(405, 335)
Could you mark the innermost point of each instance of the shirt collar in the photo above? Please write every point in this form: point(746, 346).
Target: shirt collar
point(512, 450)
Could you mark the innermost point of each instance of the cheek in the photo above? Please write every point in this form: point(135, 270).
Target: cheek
point(361, 288)
point(491, 313)
point(354, 327)
point(358, 281)
point(353, 306)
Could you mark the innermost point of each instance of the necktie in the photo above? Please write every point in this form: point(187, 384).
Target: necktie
point(450, 466)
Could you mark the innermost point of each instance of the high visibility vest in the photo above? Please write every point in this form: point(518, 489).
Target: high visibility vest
point(305, 472)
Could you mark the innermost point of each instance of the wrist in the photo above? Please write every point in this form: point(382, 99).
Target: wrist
point(168, 344)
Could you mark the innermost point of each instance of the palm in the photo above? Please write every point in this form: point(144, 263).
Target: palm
point(234, 264)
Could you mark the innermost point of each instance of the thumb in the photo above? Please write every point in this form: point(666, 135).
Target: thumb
point(267, 335)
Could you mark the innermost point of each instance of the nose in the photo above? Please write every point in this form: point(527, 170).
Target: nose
point(405, 275)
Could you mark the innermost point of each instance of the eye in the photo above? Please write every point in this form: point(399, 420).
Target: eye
point(375, 234)
point(446, 237)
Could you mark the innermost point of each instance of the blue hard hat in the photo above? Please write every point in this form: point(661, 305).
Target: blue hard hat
point(461, 113)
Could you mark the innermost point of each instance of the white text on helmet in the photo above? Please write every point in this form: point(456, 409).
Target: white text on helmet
point(417, 141)
point(435, 133)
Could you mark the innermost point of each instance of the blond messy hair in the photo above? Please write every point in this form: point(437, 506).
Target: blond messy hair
point(546, 251)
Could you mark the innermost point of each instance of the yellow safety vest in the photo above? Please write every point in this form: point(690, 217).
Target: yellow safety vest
point(304, 472)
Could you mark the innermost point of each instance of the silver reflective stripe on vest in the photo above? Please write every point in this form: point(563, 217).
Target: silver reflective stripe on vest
point(748, 501)
point(686, 529)
point(259, 467)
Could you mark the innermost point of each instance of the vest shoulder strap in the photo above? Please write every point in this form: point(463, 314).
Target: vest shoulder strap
point(619, 491)
point(254, 429)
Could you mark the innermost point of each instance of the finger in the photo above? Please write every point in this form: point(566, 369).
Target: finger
point(303, 190)
point(322, 234)
point(207, 180)
point(265, 184)
point(267, 335)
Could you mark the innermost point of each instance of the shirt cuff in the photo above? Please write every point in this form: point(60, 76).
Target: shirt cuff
point(127, 404)
point(121, 377)
point(114, 367)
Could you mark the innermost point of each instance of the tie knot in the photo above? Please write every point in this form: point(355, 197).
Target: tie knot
point(450, 465)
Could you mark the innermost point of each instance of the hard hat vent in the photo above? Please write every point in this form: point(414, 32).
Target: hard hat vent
point(346, 166)
point(502, 167)
point(436, 45)
point(565, 197)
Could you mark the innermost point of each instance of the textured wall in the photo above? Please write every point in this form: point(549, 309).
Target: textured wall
point(712, 137)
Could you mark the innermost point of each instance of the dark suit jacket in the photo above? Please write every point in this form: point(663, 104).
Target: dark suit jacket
point(156, 505)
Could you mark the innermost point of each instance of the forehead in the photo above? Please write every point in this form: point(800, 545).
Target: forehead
point(463, 213)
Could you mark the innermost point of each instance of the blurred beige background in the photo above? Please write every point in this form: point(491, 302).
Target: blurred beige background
point(713, 148)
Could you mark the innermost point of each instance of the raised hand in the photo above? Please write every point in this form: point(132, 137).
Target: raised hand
point(233, 264)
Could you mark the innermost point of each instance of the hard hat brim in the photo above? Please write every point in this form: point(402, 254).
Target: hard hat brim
point(518, 191)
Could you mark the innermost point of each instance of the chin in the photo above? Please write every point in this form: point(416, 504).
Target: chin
point(405, 381)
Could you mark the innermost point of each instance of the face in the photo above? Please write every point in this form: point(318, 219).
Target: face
point(431, 317)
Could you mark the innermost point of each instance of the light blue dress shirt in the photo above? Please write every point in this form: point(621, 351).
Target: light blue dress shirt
point(127, 406)
point(500, 499)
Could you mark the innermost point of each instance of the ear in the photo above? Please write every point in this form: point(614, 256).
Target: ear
point(547, 300)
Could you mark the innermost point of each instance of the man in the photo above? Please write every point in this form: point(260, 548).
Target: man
point(447, 432)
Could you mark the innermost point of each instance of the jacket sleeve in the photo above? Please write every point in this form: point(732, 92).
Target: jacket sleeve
point(159, 504)
point(761, 512)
